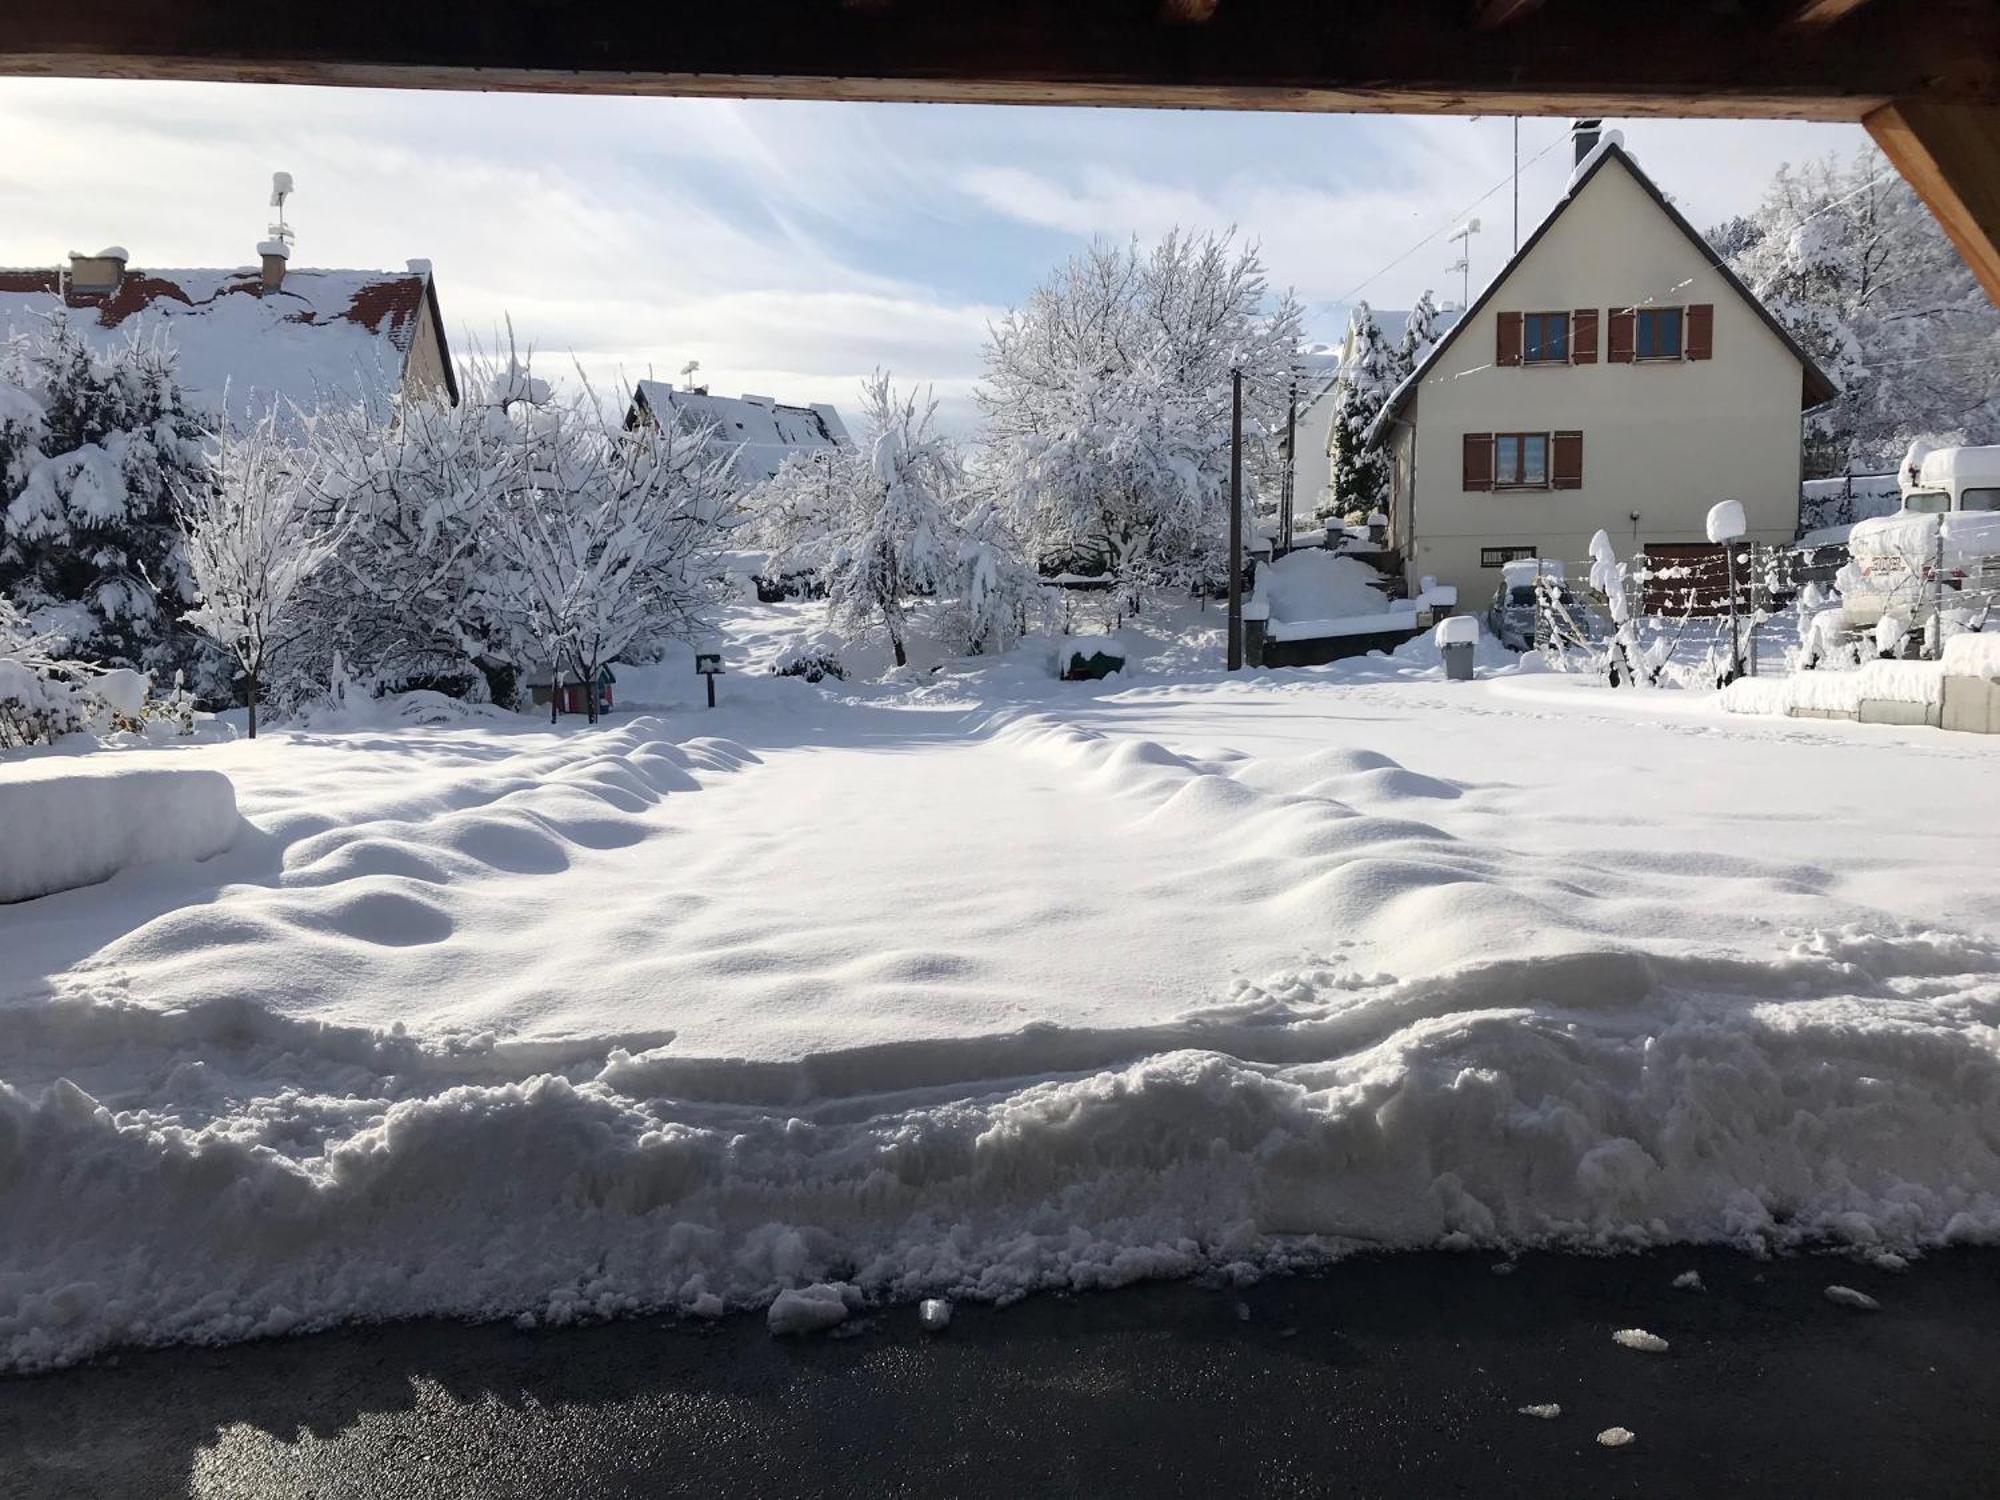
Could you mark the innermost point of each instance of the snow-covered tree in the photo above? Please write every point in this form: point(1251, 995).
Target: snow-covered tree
point(1420, 333)
point(1107, 405)
point(1358, 479)
point(251, 548)
point(608, 536)
point(94, 447)
point(883, 535)
point(1850, 261)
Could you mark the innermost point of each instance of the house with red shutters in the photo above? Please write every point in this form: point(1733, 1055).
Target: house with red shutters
point(1615, 376)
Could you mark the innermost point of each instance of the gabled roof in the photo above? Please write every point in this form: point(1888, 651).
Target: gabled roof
point(763, 431)
point(340, 335)
point(1815, 387)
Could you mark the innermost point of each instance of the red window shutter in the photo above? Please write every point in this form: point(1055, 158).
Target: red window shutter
point(1566, 462)
point(1508, 350)
point(1619, 348)
point(1583, 336)
point(1479, 460)
point(1701, 331)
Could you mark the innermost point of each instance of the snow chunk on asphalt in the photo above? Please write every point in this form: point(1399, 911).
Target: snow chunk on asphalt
point(1846, 1296)
point(808, 1309)
point(1616, 1437)
point(1690, 1281)
point(1548, 1411)
point(935, 1313)
point(1638, 1338)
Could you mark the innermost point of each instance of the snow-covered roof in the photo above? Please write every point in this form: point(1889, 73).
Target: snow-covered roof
point(1954, 469)
point(764, 431)
point(1815, 386)
point(323, 334)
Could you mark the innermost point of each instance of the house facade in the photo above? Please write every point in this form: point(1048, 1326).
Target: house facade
point(245, 340)
point(762, 431)
point(1614, 376)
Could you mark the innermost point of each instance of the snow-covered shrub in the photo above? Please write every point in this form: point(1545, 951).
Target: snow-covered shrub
point(811, 660)
point(94, 447)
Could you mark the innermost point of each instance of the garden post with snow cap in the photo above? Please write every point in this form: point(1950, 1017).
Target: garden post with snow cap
point(1725, 528)
point(709, 665)
point(1235, 656)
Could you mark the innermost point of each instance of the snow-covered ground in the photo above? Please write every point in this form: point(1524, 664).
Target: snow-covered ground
point(978, 982)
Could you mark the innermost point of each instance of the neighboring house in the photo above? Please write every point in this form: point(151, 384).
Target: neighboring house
point(1615, 375)
point(265, 335)
point(764, 432)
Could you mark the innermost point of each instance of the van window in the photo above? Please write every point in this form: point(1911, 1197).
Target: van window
point(1927, 502)
point(1982, 499)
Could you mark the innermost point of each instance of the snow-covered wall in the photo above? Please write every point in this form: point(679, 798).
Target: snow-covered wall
point(61, 827)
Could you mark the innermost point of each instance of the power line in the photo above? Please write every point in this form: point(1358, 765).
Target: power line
point(1450, 224)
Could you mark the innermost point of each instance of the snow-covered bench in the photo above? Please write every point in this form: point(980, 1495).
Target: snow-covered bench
point(63, 826)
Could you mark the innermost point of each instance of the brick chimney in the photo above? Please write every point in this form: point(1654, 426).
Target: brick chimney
point(275, 253)
point(97, 273)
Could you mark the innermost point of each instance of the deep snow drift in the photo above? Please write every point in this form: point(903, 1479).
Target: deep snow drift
point(990, 983)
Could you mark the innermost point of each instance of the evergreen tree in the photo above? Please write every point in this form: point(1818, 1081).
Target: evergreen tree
point(1420, 332)
point(94, 449)
point(1358, 482)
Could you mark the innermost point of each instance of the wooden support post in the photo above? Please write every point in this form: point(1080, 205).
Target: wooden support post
point(1950, 153)
point(1235, 652)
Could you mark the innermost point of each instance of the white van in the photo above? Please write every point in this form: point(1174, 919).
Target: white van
point(1942, 549)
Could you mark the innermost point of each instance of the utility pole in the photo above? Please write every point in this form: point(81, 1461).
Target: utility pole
point(1517, 184)
point(1236, 520)
point(1291, 463)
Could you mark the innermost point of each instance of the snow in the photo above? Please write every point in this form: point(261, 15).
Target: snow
point(808, 1309)
point(1689, 1281)
point(1548, 1412)
point(935, 1314)
point(1847, 1296)
point(1313, 593)
point(1836, 691)
point(1725, 521)
point(1640, 1339)
point(1972, 654)
point(67, 827)
point(1591, 157)
point(975, 983)
point(1457, 630)
point(763, 432)
point(1616, 1437)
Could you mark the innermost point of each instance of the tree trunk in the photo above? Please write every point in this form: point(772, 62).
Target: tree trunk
point(252, 675)
point(896, 644)
point(555, 693)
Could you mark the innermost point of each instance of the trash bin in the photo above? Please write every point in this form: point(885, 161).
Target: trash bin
point(1456, 638)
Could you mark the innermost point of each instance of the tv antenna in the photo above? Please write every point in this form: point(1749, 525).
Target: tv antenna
point(1462, 237)
point(281, 189)
point(687, 373)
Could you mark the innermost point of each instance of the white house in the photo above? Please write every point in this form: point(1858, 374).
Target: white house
point(262, 334)
point(763, 431)
point(1615, 375)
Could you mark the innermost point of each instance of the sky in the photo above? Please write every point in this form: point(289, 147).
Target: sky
point(792, 247)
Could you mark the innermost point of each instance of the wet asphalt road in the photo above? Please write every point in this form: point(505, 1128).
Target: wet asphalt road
point(1393, 1376)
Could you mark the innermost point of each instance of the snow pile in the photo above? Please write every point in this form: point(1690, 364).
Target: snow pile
point(1847, 1296)
point(66, 827)
point(1616, 1437)
point(1640, 1339)
point(809, 1309)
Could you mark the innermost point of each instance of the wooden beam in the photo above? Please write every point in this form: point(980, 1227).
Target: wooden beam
point(1816, 13)
point(1950, 153)
point(1609, 57)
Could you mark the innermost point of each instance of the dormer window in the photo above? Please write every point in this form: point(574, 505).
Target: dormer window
point(1657, 333)
point(1545, 338)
